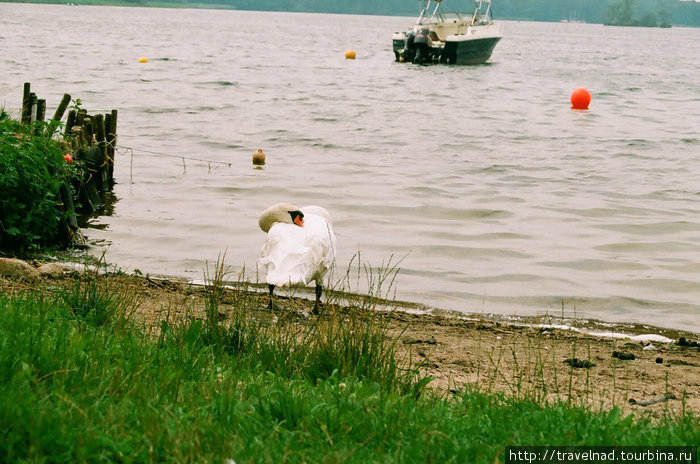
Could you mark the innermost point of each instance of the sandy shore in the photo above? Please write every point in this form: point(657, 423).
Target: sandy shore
point(537, 359)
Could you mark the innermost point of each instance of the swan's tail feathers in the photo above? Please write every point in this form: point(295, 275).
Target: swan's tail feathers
point(289, 268)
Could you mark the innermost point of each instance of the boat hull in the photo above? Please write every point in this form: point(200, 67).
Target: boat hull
point(474, 51)
point(457, 51)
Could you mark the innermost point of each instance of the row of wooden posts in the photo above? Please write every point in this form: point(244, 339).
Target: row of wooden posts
point(92, 140)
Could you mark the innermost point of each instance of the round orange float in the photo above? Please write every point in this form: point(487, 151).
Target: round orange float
point(580, 99)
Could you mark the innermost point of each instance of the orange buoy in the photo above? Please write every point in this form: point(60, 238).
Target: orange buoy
point(580, 99)
point(143, 59)
point(350, 55)
point(259, 158)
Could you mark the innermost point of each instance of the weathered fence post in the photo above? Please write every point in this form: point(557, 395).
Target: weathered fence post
point(89, 129)
point(80, 117)
point(26, 104)
point(112, 143)
point(33, 107)
point(58, 115)
point(40, 109)
point(103, 168)
point(70, 122)
point(69, 221)
point(108, 123)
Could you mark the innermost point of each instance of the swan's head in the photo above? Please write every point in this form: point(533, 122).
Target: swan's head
point(281, 212)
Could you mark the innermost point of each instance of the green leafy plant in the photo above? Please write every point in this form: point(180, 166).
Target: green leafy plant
point(77, 104)
point(32, 171)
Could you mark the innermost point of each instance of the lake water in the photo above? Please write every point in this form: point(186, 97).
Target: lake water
point(498, 197)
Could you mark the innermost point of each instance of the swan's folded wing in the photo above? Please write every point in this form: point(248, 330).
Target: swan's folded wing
point(286, 256)
point(320, 239)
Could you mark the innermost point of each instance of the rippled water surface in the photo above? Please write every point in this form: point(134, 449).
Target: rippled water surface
point(498, 196)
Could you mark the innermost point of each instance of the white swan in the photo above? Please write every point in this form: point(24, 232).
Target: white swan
point(300, 246)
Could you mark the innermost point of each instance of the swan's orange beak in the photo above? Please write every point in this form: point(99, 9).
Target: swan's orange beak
point(299, 220)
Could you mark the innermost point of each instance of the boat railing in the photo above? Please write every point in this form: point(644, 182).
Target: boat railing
point(442, 17)
point(459, 17)
point(426, 14)
point(447, 21)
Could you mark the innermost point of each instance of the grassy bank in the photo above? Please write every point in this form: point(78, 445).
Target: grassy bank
point(84, 381)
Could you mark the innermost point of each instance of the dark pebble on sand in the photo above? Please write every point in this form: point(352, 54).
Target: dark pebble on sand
point(685, 342)
point(577, 363)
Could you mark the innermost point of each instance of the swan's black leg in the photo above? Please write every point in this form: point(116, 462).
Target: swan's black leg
point(272, 296)
point(319, 291)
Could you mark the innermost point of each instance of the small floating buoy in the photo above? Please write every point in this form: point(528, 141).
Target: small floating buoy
point(259, 158)
point(350, 55)
point(143, 59)
point(580, 99)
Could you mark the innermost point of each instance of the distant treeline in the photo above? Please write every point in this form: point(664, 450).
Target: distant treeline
point(618, 12)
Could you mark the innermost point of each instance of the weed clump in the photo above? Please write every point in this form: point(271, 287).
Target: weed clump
point(344, 343)
point(32, 173)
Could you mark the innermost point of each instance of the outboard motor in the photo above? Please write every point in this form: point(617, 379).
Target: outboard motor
point(422, 44)
point(409, 49)
point(399, 39)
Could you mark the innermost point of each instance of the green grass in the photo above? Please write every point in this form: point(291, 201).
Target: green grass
point(82, 382)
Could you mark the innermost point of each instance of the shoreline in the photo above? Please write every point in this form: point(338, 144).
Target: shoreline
point(542, 360)
point(585, 325)
point(592, 325)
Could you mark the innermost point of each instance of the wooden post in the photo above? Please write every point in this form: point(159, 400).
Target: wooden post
point(109, 151)
point(58, 115)
point(103, 168)
point(77, 137)
point(80, 117)
point(27, 104)
point(33, 107)
point(112, 143)
point(98, 124)
point(70, 122)
point(40, 113)
point(69, 221)
point(89, 129)
point(108, 123)
point(40, 109)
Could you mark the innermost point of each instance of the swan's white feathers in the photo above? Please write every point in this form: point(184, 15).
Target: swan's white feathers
point(299, 255)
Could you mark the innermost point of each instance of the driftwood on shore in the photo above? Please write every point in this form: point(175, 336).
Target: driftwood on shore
point(91, 141)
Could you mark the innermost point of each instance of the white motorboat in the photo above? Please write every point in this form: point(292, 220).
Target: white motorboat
point(451, 38)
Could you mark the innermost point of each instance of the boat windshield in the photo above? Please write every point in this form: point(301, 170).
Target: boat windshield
point(428, 11)
point(430, 15)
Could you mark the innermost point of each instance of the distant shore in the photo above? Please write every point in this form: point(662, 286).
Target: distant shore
point(673, 13)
